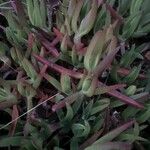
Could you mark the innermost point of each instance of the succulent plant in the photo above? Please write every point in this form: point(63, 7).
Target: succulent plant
point(67, 68)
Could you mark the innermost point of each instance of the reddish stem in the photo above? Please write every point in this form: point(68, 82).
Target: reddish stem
point(114, 87)
point(58, 68)
point(125, 72)
point(59, 37)
point(31, 39)
point(51, 49)
point(91, 140)
point(54, 42)
point(113, 12)
point(58, 33)
point(68, 100)
point(82, 51)
point(106, 62)
point(123, 98)
point(43, 70)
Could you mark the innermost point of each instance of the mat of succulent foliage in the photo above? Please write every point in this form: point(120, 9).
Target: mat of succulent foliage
point(74, 74)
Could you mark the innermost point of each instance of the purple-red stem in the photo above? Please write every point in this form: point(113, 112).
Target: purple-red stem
point(113, 13)
point(54, 42)
point(51, 49)
point(68, 100)
point(31, 39)
point(125, 72)
point(58, 68)
point(59, 36)
point(123, 98)
point(112, 87)
point(91, 140)
point(106, 62)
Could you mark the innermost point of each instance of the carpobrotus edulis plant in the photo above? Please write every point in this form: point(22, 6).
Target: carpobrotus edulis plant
point(73, 74)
